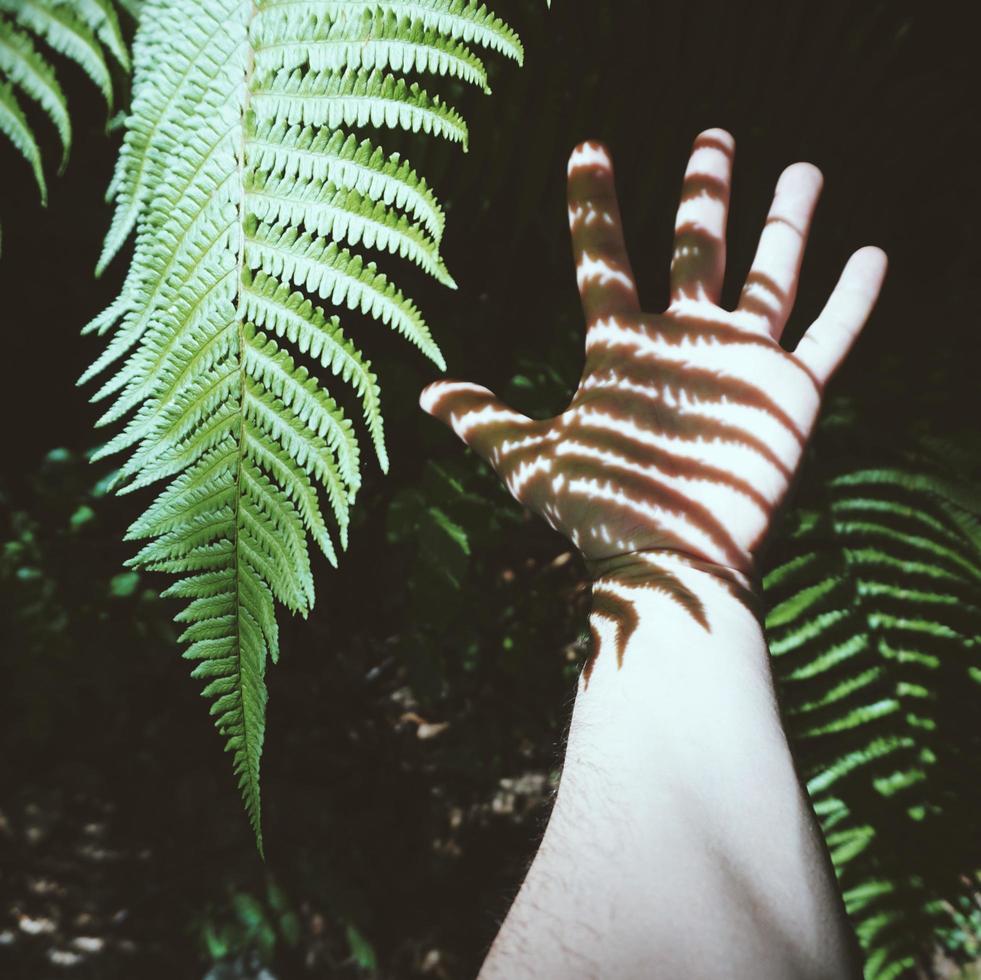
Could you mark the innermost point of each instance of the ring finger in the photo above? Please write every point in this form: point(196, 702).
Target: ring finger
point(772, 281)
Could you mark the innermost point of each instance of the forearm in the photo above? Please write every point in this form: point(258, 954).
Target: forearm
point(681, 843)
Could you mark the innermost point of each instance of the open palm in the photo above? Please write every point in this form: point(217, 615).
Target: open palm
point(687, 426)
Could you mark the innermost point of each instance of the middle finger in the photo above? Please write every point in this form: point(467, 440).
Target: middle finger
point(699, 260)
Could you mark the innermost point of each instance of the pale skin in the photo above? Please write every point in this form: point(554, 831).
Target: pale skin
point(681, 843)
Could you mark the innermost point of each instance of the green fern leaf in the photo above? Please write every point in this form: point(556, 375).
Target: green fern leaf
point(463, 20)
point(76, 29)
point(875, 629)
point(14, 126)
point(60, 25)
point(317, 155)
point(100, 18)
point(344, 216)
point(244, 185)
point(355, 98)
point(25, 68)
point(338, 276)
point(375, 40)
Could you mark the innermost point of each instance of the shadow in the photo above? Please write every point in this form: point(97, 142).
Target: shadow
point(773, 301)
point(686, 427)
point(659, 451)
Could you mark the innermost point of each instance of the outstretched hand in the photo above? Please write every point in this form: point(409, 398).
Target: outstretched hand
point(666, 470)
point(687, 426)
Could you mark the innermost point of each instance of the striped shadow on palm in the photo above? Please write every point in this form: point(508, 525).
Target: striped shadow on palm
point(687, 427)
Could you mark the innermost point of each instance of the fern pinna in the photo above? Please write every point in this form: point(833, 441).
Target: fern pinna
point(875, 629)
point(242, 181)
point(81, 30)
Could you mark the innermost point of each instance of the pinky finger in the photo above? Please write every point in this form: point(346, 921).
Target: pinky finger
point(829, 338)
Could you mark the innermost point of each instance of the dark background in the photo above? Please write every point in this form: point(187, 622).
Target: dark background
point(394, 845)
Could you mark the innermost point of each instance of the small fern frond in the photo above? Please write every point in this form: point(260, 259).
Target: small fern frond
point(375, 40)
point(355, 98)
point(317, 155)
point(14, 126)
point(271, 304)
point(81, 30)
point(65, 31)
point(21, 63)
point(244, 185)
point(464, 20)
point(344, 216)
point(336, 275)
point(165, 82)
point(875, 628)
point(101, 19)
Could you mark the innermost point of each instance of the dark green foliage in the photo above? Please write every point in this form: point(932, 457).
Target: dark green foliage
point(413, 823)
point(32, 34)
point(875, 625)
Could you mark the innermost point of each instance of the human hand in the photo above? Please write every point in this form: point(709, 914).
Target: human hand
point(687, 426)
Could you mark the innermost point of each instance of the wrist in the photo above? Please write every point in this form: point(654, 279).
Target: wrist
point(666, 595)
point(677, 573)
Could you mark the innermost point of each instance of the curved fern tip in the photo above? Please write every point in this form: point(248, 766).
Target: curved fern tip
point(443, 275)
point(430, 350)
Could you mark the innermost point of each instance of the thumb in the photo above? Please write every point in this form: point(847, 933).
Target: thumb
point(477, 416)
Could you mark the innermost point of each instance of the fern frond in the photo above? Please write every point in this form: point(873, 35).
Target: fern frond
point(270, 304)
point(340, 277)
point(242, 180)
point(78, 29)
point(100, 18)
point(194, 492)
point(166, 81)
point(875, 629)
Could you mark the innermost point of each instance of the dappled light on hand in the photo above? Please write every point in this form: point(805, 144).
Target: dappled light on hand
point(686, 428)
